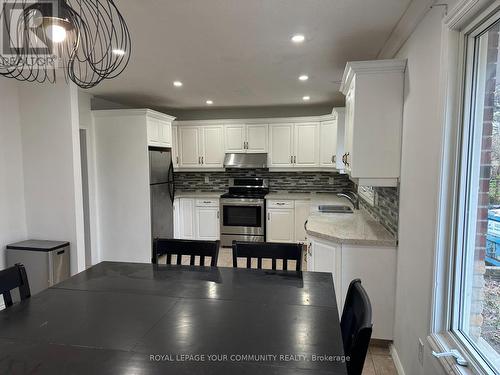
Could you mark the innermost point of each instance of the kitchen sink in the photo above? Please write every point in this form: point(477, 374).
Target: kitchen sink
point(335, 209)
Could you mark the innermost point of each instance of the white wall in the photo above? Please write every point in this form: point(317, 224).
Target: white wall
point(51, 160)
point(421, 153)
point(12, 206)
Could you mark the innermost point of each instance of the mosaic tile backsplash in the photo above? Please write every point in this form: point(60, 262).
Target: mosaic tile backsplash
point(385, 208)
point(278, 181)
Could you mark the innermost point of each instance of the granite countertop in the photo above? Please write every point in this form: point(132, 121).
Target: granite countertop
point(198, 194)
point(358, 228)
point(286, 195)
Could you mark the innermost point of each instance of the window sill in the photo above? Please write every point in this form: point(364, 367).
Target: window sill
point(446, 341)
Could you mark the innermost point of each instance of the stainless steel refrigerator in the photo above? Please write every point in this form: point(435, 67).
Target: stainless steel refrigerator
point(162, 190)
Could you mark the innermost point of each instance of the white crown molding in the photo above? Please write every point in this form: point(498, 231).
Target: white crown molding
point(407, 24)
point(272, 120)
point(369, 67)
point(132, 112)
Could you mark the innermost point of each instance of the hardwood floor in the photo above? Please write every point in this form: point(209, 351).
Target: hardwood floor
point(379, 361)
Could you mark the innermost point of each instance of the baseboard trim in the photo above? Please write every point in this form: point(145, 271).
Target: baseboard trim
point(397, 361)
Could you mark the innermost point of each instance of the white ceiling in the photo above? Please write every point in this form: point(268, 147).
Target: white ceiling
point(238, 52)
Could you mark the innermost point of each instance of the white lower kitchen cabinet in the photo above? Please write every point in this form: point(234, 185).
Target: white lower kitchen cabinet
point(325, 256)
point(196, 219)
point(207, 219)
point(302, 212)
point(286, 220)
point(280, 224)
point(186, 219)
point(374, 265)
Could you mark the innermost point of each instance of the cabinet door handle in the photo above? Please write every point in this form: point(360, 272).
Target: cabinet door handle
point(218, 215)
point(268, 216)
point(176, 160)
point(294, 160)
point(280, 204)
point(199, 159)
point(305, 224)
point(291, 159)
point(202, 160)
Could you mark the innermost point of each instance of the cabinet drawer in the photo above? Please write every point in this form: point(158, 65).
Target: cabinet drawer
point(280, 204)
point(207, 203)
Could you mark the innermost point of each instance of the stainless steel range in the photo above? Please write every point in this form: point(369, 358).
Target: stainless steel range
point(243, 211)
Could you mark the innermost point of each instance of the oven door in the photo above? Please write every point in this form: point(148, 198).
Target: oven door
point(242, 216)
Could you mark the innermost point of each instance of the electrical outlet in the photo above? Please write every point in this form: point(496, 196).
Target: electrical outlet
point(207, 179)
point(330, 180)
point(420, 352)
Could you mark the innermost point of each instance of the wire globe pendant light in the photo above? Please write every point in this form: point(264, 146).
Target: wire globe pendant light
point(87, 39)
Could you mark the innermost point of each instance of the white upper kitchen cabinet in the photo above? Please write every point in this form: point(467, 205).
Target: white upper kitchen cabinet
point(374, 93)
point(328, 143)
point(306, 145)
point(175, 147)
point(331, 140)
point(256, 138)
point(201, 147)
point(294, 145)
point(281, 145)
point(189, 147)
point(235, 138)
point(212, 147)
point(159, 129)
point(241, 138)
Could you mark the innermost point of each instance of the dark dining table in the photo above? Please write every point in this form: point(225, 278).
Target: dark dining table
point(131, 318)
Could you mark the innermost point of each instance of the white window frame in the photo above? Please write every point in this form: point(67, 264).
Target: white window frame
point(459, 27)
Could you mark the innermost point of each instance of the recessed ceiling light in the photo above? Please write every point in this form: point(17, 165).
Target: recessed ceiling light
point(298, 38)
point(177, 83)
point(209, 102)
point(306, 98)
point(304, 77)
point(119, 52)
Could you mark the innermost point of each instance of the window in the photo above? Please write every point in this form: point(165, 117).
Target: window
point(475, 315)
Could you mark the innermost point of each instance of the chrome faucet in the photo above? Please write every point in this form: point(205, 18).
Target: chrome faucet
point(352, 197)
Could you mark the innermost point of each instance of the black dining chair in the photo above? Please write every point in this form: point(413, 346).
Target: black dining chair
point(356, 326)
point(12, 278)
point(267, 250)
point(192, 248)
